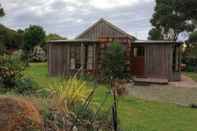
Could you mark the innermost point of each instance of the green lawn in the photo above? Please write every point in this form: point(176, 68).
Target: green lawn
point(192, 75)
point(135, 114)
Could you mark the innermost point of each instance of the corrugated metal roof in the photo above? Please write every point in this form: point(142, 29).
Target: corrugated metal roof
point(72, 41)
point(155, 42)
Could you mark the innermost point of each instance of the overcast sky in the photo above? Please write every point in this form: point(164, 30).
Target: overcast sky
point(70, 17)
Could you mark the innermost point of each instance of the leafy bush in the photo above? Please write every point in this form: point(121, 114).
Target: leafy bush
point(193, 37)
point(25, 86)
point(11, 70)
point(114, 62)
point(191, 60)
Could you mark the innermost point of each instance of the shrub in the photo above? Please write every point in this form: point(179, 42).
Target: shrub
point(190, 58)
point(26, 86)
point(11, 70)
point(193, 37)
point(114, 62)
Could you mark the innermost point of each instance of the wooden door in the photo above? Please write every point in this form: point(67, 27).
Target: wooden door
point(138, 62)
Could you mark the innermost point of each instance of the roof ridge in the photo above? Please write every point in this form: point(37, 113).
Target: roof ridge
point(100, 20)
point(118, 28)
point(109, 24)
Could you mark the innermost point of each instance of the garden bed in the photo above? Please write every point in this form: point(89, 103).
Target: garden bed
point(134, 114)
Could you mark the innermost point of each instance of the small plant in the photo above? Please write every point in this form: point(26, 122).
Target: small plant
point(68, 93)
point(71, 104)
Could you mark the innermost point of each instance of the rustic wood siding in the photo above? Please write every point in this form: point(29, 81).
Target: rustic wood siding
point(158, 61)
point(101, 30)
point(57, 59)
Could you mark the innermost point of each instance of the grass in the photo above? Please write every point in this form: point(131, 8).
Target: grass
point(134, 114)
point(192, 75)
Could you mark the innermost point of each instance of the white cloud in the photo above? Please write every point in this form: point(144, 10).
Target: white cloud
point(70, 17)
point(108, 4)
point(71, 8)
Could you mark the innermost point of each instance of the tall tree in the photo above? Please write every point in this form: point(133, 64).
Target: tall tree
point(33, 35)
point(174, 16)
point(2, 13)
point(154, 34)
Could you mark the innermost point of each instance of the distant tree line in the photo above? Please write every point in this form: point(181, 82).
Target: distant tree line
point(25, 40)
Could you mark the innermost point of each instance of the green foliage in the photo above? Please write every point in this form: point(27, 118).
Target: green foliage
point(190, 58)
point(11, 70)
point(175, 14)
point(54, 37)
point(9, 39)
point(155, 34)
point(113, 64)
point(193, 37)
point(26, 86)
point(33, 35)
point(2, 13)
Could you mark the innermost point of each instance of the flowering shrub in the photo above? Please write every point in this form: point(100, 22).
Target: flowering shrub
point(11, 68)
point(38, 54)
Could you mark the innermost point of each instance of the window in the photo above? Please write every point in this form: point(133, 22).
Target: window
point(138, 51)
point(72, 63)
point(90, 57)
point(75, 60)
point(72, 58)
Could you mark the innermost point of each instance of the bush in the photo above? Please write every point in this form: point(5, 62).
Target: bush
point(114, 62)
point(190, 58)
point(25, 86)
point(11, 70)
point(193, 37)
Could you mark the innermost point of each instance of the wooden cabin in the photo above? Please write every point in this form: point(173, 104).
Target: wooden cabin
point(145, 59)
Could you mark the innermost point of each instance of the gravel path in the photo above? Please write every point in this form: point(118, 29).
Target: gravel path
point(182, 93)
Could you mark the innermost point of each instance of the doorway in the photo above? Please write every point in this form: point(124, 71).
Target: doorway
point(138, 62)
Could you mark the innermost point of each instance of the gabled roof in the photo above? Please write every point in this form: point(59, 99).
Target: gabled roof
point(110, 25)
